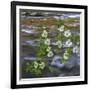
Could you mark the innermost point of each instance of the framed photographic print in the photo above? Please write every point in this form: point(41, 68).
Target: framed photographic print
point(49, 44)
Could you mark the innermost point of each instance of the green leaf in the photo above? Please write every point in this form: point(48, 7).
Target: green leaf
point(50, 68)
point(59, 23)
point(63, 61)
point(75, 38)
point(40, 28)
point(68, 50)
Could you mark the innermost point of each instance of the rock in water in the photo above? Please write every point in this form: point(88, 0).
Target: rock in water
point(72, 62)
point(56, 62)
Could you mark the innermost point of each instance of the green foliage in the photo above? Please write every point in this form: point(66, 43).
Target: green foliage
point(68, 50)
point(42, 50)
point(76, 38)
point(35, 67)
point(67, 54)
point(40, 28)
point(59, 23)
point(51, 69)
point(59, 36)
point(63, 61)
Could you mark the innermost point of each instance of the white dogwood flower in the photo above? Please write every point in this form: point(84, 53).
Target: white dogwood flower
point(67, 33)
point(47, 41)
point(35, 64)
point(61, 29)
point(78, 43)
point(50, 54)
point(65, 56)
point(42, 65)
point(75, 49)
point(68, 43)
point(44, 34)
point(48, 49)
point(59, 43)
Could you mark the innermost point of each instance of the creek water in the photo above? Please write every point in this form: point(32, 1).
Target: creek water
point(29, 46)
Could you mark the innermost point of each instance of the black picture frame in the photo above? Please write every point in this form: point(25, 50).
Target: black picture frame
point(14, 4)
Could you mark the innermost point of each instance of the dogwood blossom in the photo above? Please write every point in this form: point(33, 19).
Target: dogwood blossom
point(75, 49)
point(59, 43)
point(68, 43)
point(65, 56)
point(50, 54)
point(42, 65)
point(67, 33)
point(47, 41)
point(61, 29)
point(44, 34)
point(48, 49)
point(35, 64)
